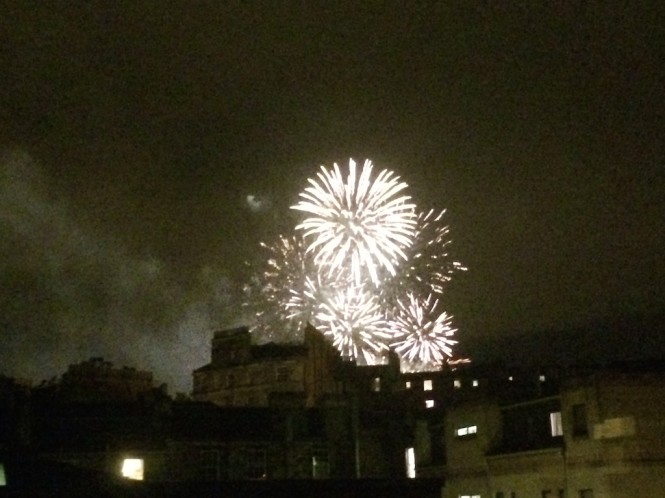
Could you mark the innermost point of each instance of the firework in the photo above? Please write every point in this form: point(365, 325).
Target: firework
point(359, 224)
point(422, 342)
point(429, 266)
point(354, 321)
point(280, 295)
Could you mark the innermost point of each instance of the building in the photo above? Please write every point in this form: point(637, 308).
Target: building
point(596, 433)
point(243, 374)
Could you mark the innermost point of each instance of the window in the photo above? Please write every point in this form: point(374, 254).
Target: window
point(376, 384)
point(283, 374)
point(457, 383)
point(556, 428)
point(255, 463)
point(410, 458)
point(466, 431)
point(469, 496)
point(541, 378)
point(320, 467)
point(429, 403)
point(511, 378)
point(474, 383)
point(132, 468)
point(408, 384)
point(427, 385)
point(579, 421)
point(3, 478)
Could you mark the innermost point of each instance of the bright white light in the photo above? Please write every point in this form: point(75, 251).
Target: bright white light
point(132, 468)
point(429, 403)
point(354, 321)
point(427, 385)
point(423, 336)
point(556, 427)
point(467, 431)
point(410, 457)
point(358, 224)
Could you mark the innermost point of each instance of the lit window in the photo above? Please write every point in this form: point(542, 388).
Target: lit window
point(469, 496)
point(474, 383)
point(556, 427)
point(466, 431)
point(541, 378)
point(510, 378)
point(457, 383)
point(408, 384)
point(3, 478)
point(376, 384)
point(429, 403)
point(132, 468)
point(410, 457)
point(427, 385)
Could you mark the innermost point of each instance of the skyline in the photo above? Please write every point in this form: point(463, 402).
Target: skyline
point(146, 153)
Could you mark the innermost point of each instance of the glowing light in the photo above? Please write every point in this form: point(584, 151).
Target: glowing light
point(132, 468)
point(357, 224)
point(355, 322)
point(429, 263)
point(282, 294)
point(356, 269)
point(422, 342)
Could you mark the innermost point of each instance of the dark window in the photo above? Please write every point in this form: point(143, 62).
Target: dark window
point(579, 421)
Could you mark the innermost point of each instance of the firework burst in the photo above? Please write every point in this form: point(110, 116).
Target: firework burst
point(279, 296)
point(354, 321)
point(429, 266)
point(358, 224)
point(422, 337)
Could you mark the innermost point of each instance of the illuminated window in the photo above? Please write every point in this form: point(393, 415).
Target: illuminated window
point(376, 384)
point(429, 403)
point(3, 478)
point(469, 496)
point(510, 378)
point(132, 468)
point(427, 385)
point(408, 384)
point(541, 378)
point(457, 383)
point(474, 383)
point(556, 428)
point(410, 458)
point(466, 431)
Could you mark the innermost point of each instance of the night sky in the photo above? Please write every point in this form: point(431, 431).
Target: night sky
point(131, 136)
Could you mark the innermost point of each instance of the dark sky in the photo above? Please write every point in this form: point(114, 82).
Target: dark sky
point(131, 134)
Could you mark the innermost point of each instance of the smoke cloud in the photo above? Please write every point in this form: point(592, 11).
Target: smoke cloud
point(70, 293)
